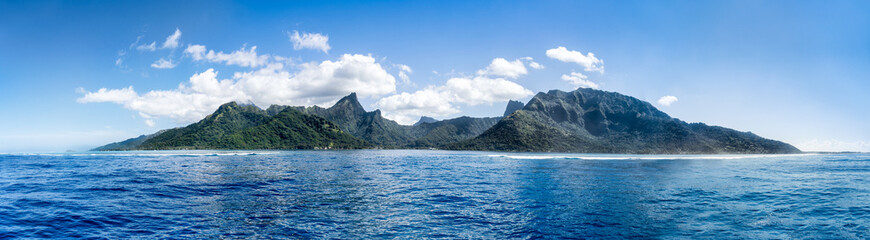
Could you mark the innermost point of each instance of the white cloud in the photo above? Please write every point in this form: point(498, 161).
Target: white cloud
point(588, 61)
point(104, 95)
point(163, 64)
point(317, 83)
point(667, 100)
point(147, 47)
point(405, 78)
point(172, 40)
point(532, 63)
point(314, 41)
point(435, 101)
point(481, 90)
point(150, 122)
point(313, 83)
point(504, 68)
point(242, 57)
point(406, 108)
point(404, 70)
point(119, 62)
point(579, 80)
point(197, 52)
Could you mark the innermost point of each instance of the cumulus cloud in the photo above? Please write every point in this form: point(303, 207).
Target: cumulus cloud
point(105, 95)
point(147, 47)
point(150, 122)
point(504, 68)
point(404, 107)
point(313, 83)
point(481, 90)
point(436, 101)
point(241, 57)
point(579, 80)
point(588, 61)
point(172, 40)
point(314, 41)
point(163, 64)
point(667, 100)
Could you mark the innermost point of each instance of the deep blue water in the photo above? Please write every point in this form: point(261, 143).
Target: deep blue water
point(432, 194)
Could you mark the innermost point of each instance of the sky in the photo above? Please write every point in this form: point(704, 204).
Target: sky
point(79, 74)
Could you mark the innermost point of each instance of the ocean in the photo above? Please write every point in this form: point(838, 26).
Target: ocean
point(376, 194)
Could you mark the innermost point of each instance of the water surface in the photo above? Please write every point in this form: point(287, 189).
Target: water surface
point(432, 194)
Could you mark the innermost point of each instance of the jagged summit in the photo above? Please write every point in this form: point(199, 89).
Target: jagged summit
point(425, 119)
point(595, 121)
point(584, 120)
point(512, 107)
point(349, 103)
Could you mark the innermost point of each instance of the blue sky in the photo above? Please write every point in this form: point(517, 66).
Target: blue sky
point(796, 71)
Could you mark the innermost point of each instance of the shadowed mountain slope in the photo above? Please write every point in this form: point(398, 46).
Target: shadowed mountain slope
point(594, 121)
point(584, 120)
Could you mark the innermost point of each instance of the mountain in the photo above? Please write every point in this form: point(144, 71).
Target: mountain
point(425, 119)
point(351, 117)
point(292, 129)
point(129, 144)
point(512, 107)
point(234, 126)
point(594, 121)
point(372, 127)
point(439, 133)
point(584, 120)
point(227, 119)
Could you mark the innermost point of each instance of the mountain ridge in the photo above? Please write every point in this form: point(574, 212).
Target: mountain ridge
point(595, 121)
point(583, 120)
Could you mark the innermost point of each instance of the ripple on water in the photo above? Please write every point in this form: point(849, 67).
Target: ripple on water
point(431, 194)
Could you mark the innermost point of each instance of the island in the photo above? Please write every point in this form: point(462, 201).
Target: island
point(581, 121)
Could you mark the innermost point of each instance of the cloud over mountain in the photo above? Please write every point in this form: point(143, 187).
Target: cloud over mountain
point(442, 100)
point(312, 83)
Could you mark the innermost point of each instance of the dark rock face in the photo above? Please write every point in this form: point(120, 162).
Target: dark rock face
point(588, 120)
point(512, 107)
